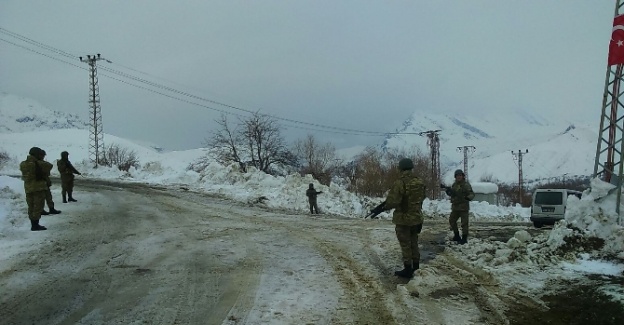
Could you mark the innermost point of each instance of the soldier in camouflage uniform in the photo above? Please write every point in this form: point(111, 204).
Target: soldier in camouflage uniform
point(67, 171)
point(47, 168)
point(311, 193)
point(406, 197)
point(35, 186)
point(461, 194)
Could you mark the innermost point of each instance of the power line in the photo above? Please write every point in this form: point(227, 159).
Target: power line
point(324, 128)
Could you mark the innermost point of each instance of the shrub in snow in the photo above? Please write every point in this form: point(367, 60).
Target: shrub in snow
point(122, 158)
point(4, 157)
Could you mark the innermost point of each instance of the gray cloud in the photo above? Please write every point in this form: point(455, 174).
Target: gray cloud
point(363, 65)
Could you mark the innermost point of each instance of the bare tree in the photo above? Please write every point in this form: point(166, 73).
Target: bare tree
point(369, 173)
point(227, 141)
point(373, 172)
point(317, 159)
point(257, 141)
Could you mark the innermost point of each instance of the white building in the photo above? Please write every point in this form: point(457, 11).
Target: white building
point(486, 192)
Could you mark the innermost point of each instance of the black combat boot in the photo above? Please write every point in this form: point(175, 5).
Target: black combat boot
point(406, 272)
point(464, 240)
point(54, 211)
point(456, 237)
point(35, 226)
point(64, 198)
point(44, 212)
point(416, 266)
point(71, 199)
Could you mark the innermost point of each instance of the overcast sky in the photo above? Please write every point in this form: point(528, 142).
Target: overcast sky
point(363, 65)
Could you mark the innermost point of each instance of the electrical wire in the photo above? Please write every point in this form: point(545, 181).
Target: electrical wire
point(309, 126)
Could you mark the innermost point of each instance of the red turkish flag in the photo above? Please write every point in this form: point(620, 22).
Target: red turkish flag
point(616, 46)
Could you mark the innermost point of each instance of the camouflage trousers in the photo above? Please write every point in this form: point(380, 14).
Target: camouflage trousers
point(408, 240)
point(48, 199)
point(35, 201)
point(313, 207)
point(67, 185)
point(455, 215)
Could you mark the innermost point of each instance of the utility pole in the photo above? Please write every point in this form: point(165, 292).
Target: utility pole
point(96, 135)
point(465, 150)
point(433, 140)
point(609, 164)
point(518, 155)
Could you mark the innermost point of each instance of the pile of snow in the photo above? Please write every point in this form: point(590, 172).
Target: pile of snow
point(198, 170)
point(589, 239)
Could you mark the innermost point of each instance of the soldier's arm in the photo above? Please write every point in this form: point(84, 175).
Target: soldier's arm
point(73, 170)
point(469, 192)
point(394, 196)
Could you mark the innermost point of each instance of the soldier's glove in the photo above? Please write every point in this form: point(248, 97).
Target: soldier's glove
point(442, 186)
point(450, 192)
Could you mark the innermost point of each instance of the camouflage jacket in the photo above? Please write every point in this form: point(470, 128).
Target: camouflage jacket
point(33, 175)
point(406, 197)
point(312, 193)
point(461, 194)
point(66, 169)
point(47, 168)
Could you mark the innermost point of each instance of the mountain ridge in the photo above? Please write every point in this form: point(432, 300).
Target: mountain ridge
point(548, 138)
point(557, 146)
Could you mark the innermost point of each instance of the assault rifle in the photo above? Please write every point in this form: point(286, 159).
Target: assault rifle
point(446, 189)
point(376, 210)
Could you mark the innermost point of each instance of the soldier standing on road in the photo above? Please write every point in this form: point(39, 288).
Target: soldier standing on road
point(406, 197)
point(35, 186)
point(47, 168)
point(67, 171)
point(461, 194)
point(311, 193)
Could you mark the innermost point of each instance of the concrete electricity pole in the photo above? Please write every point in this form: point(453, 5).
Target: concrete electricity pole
point(465, 150)
point(96, 135)
point(518, 155)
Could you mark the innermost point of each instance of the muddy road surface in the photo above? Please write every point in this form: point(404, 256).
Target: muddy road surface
point(137, 254)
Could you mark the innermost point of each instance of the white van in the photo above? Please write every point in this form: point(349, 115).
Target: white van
point(549, 205)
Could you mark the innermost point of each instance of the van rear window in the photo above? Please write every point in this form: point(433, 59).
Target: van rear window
point(549, 198)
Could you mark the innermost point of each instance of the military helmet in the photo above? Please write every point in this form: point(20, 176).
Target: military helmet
point(406, 164)
point(459, 172)
point(35, 151)
point(311, 185)
point(64, 154)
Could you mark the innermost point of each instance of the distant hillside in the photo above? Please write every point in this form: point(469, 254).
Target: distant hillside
point(558, 146)
point(23, 115)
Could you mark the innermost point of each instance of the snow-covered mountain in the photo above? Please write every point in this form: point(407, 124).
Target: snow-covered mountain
point(558, 146)
point(23, 115)
point(19, 114)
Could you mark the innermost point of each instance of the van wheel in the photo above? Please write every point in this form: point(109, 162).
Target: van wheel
point(537, 224)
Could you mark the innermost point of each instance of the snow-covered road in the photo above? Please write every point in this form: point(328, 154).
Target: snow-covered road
point(134, 254)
